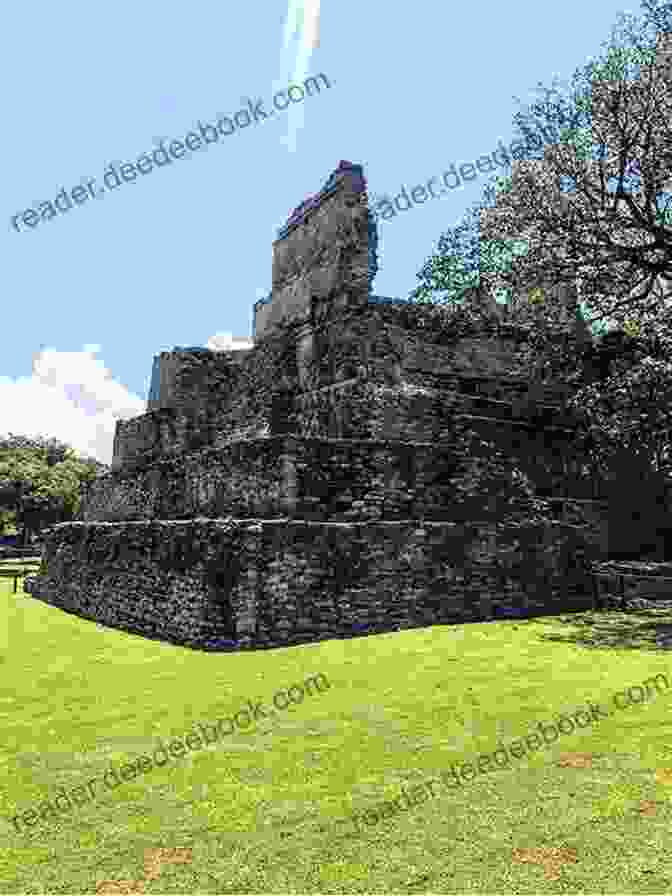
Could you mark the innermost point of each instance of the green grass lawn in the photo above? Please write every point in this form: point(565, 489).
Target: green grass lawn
point(269, 810)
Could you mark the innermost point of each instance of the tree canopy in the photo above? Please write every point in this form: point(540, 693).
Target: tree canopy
point(41, 480)
point(576, 245)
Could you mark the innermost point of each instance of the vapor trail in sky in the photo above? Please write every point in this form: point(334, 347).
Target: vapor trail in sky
point(303, 21)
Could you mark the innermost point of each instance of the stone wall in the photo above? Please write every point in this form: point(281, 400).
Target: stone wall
point(206, 583)
point(280, 385)
point(384, 401)
point(154, 393)
point(182, 376)
point(301, 490)
point(377, 451)
point(635, 582)
point(193, 377)
point(281, 476)
point(203, 393)
point(323, 253)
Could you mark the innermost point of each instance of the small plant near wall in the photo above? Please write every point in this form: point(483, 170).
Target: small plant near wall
point(631, 328)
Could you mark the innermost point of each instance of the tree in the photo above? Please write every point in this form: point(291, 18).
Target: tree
point(601, 238)
point(41, 480)
point(610, 234)
point(11, 494)
point(578, 243)
point(625, 424)
point(38, 511)
point(595, 213)
point(453, 275)
point(658, 14)
point(7, 519)
point(631, 408)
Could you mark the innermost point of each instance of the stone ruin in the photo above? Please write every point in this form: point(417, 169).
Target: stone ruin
point(297, 490)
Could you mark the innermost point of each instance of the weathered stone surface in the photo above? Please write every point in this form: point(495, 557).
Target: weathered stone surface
point(300, 490)
point(362, 374)
point(207, 582)
point(321, 256)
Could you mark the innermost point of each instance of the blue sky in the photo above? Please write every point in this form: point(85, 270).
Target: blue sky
point(180, 255)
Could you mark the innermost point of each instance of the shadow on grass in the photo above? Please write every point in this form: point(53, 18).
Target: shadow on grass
point(641, 629)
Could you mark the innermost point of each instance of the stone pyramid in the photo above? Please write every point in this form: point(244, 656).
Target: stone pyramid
point(298, 490)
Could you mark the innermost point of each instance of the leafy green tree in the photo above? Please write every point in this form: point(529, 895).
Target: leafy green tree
point(41, 481)
point(453, 274)
point(595, 212)
point(7, 521)
point(603, 229)
point(563, 240)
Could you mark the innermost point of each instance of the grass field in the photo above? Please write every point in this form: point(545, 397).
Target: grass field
point(269, 810)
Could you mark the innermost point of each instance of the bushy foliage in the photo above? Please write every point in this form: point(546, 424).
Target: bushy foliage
point(580, 231)
point(41, 480)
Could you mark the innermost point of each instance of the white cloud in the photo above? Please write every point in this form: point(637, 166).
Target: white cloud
point(70, 396)
point(222, 342)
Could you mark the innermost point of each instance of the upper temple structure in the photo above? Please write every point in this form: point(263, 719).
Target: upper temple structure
point(299, 489)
